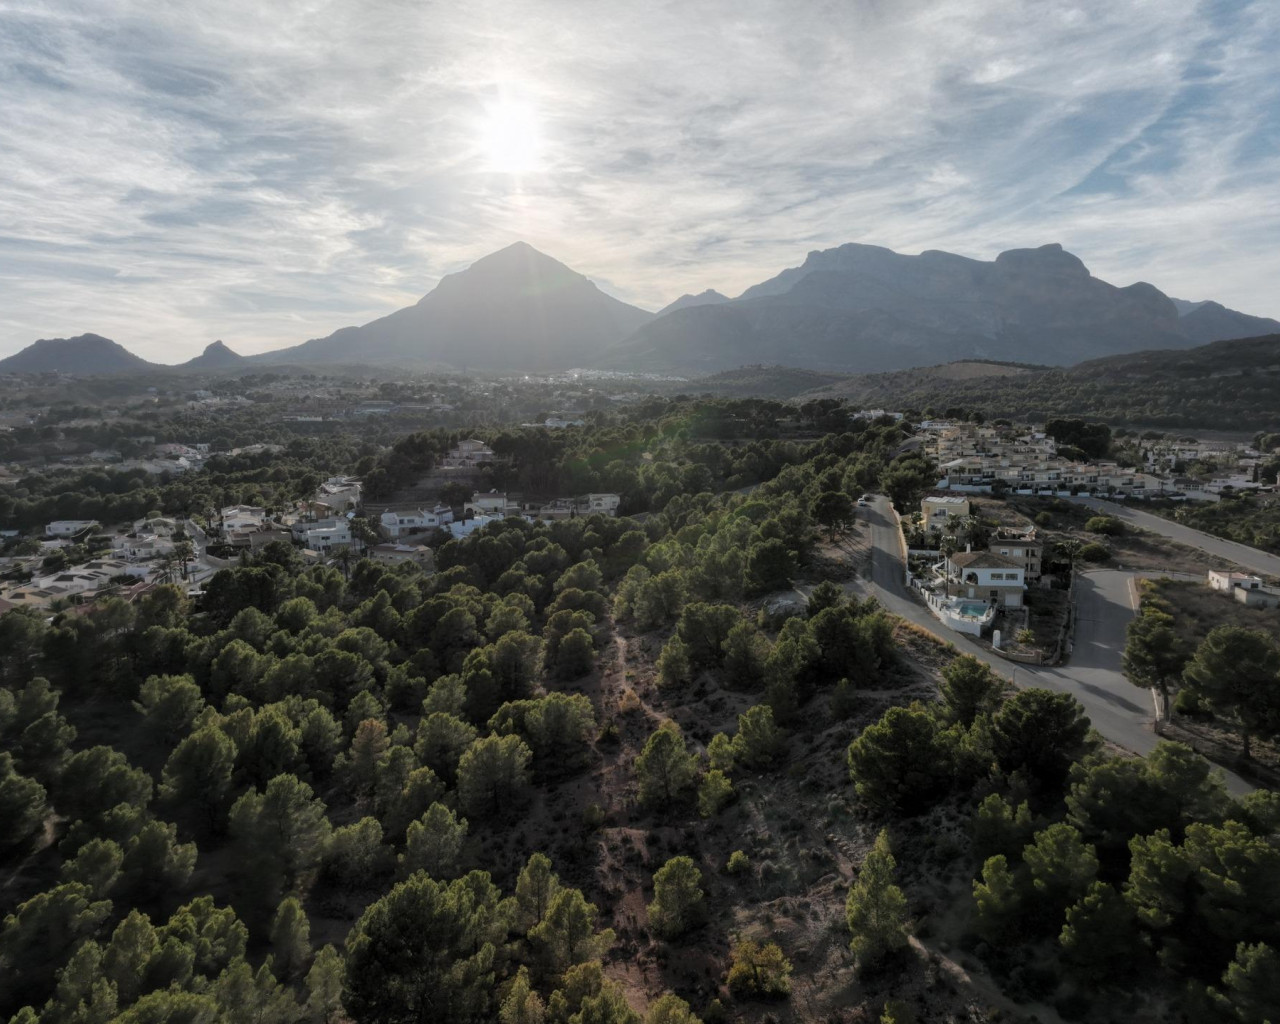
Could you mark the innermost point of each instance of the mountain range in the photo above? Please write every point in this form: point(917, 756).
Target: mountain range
point(93, 355)
point(852, 309)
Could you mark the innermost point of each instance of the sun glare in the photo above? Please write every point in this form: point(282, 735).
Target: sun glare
point(509, 138)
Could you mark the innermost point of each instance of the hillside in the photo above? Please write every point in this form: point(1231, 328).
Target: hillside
point(1225, 385)
point(84, 354)
point(516, 309)
point(1212, 321)
point(760, 381)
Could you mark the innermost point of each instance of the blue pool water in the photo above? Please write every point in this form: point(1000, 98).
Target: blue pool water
point(973, 610)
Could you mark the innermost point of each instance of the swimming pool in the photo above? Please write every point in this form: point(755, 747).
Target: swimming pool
point(973, 610)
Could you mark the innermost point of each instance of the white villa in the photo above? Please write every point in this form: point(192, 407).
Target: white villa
point(491, 504)
point(982, 576)
point(401, 524)
point(70, 527)
point(603, 504)
point(466, 527)
point(340, 493)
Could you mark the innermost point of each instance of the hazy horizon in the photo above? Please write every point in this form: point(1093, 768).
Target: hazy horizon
point(268, 174)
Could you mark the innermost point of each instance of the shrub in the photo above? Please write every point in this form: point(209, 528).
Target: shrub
point(1108, 526)
point(759, 971)
point(738, 863)
point(1190, 705)
point(1094, 553)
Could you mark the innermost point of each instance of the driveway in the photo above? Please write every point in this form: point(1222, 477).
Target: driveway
point(1228, 550)
point(1105, 602)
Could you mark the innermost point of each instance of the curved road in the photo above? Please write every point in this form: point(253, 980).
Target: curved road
point(1105, 602)
point(1228, 550)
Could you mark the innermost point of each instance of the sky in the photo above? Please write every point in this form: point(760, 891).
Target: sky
point(267, 172)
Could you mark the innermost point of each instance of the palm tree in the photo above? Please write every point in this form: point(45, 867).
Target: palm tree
point(168, 567)
point(1071, 549)
point(183, 552)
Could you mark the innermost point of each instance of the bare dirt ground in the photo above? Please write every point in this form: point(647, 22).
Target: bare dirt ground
point(804, 834)
point(1135, 549)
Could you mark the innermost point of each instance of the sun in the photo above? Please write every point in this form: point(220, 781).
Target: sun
point(509, 137)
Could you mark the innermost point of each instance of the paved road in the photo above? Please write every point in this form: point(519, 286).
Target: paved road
point(1105, 602)
point(1228, 550)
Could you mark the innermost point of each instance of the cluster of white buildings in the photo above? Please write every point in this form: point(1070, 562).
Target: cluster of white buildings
point(141, 554)
point(71, 584)
point(975, 457)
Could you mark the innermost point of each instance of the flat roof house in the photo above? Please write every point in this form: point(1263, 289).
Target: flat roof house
point(939, 511)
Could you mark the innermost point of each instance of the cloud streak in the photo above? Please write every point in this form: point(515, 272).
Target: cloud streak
point(266, 173)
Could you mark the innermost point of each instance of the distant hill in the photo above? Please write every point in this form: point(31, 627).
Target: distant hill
point(863, 308)
point(216, 356)
point(1212, 321)
point(710, 297)
point(758, 381)
point(1226, 385)
point(83, 355)
point(516, 309)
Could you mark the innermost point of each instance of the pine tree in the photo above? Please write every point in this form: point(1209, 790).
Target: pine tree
point(522, 1005)
point(876, 909)
point(290, 939)
point(434, 843)
point(665, 769)
point(677, 898)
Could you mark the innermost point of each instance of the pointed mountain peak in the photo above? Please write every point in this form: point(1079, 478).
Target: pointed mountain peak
point(215, 356)
point(710, 297)
point(518, 271)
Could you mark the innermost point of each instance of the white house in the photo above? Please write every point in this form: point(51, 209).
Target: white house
point(986, 577)
point(466, 527)
point(70, 527)
point(302, 527)
point(241, 517)
point(1221, 579)
point(159, 526)
point(340, 493)
point(1248, 590)
point(401, 524)
point(602, 504)
point(491, 504)
point(141, 547)
point(328, 535)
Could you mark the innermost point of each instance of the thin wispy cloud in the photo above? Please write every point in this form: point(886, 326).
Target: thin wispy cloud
point(267, 173)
